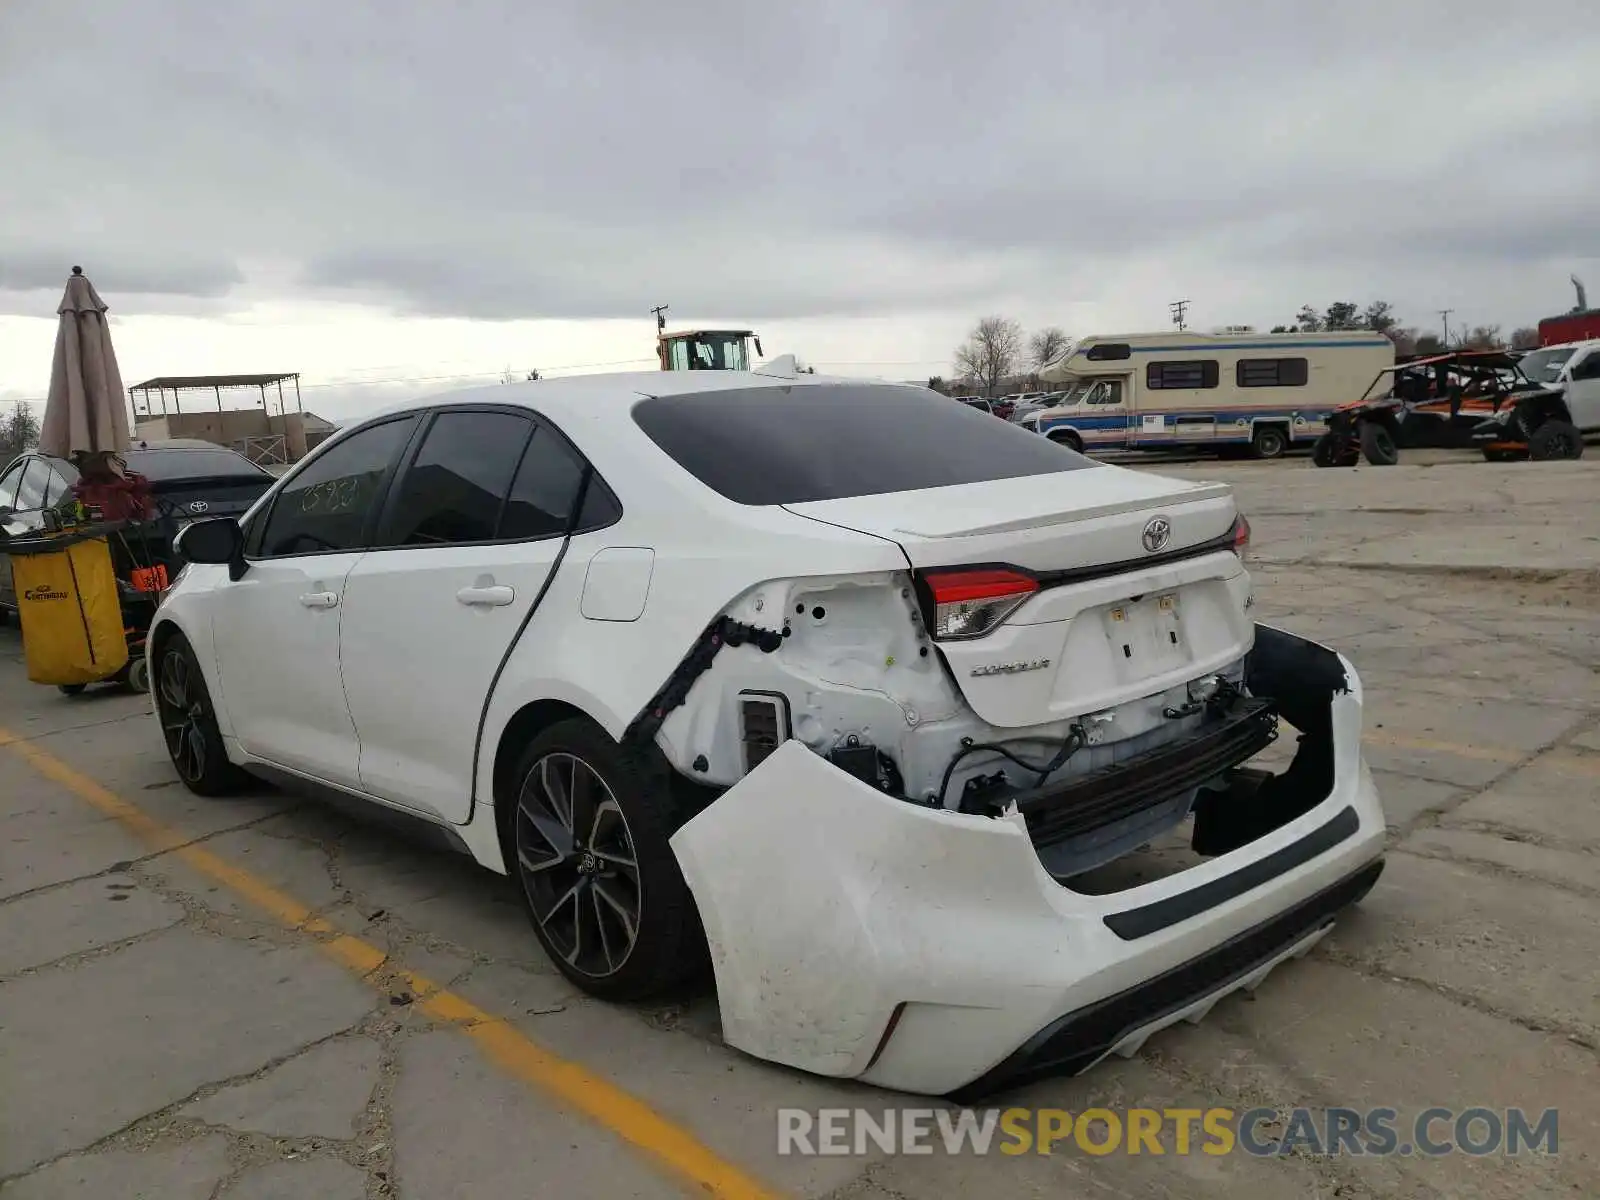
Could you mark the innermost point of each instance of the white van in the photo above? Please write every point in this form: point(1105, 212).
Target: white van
point(1148, 391)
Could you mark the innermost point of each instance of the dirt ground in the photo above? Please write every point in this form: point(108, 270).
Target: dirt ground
point(264, 998)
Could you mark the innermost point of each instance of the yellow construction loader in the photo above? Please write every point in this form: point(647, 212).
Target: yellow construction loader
point(703, 349)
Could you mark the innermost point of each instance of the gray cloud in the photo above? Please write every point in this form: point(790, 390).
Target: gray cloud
point(128, 270)
point(495, 160)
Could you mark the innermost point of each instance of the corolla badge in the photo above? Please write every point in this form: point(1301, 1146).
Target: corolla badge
point(198, 506)
point(1157, 533)
point(1011, 668)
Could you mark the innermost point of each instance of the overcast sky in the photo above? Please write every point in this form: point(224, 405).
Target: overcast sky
point(367, 191)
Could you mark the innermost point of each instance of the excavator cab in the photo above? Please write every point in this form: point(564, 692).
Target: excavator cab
point(704, 349)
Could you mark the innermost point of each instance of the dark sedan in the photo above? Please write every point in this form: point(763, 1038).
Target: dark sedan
point(188, 479)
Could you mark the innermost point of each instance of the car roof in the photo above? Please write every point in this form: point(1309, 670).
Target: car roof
point(583, 397)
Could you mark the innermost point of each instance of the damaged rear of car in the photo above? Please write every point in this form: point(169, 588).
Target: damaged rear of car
point(913, 774)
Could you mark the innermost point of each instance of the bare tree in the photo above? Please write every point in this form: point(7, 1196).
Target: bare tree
point(1404, 338)
point(1049, 344)
point(1525, 339)
point(19, 431)
point(1483, 337)
point(1430, 343)
point(991, 353)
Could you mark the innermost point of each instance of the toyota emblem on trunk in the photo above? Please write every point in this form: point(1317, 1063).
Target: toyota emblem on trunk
point(201, 506)
point(1157, 533)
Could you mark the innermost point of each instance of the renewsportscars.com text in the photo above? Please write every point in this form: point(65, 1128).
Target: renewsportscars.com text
point(1261, 1132)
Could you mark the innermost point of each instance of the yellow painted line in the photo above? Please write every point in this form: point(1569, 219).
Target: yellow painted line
point(669, 1145)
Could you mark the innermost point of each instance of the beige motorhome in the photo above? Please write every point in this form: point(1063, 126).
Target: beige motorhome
point(1265, 392)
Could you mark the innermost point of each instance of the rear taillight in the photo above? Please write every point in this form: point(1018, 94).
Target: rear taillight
point(1241, 535)
point(968, 602)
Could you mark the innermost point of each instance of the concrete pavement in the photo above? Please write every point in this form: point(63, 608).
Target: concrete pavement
point(260, 997)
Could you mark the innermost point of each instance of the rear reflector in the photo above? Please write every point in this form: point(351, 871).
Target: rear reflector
point(969, 602)
point(1241, 535)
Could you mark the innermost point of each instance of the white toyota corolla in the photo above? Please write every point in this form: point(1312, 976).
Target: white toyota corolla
point(853, 687)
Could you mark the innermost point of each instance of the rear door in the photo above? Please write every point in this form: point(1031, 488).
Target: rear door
point(471, 531)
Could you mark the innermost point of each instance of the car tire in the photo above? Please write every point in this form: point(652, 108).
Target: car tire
point(189, 722)
point(618, 932)
point(1270, 441)
point(136, 678)
point(1331, 450)
point(1377, 444)
point(1555, 440)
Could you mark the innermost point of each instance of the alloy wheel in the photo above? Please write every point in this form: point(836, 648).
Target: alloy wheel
point(179, 702)
point(578, 865)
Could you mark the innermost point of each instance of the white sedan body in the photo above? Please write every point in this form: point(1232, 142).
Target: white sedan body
point(913, 716)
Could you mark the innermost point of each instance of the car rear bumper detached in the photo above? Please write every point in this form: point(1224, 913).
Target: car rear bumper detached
point(858, 935)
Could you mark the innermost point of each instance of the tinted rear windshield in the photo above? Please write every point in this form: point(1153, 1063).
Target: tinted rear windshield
point(788, 445)
point(160, 466)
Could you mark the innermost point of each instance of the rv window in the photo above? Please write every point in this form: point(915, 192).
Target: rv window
point(1272, 372)
point(1107, 391)
point(1195, 373)
point(1108, 351)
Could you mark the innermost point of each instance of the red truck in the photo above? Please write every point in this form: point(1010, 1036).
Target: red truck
point(1578, 325)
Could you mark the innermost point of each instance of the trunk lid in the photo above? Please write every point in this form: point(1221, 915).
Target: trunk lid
point(1113, 620)
point(1043, 523)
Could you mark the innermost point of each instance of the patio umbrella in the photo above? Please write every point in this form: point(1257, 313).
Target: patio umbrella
point(84, 418)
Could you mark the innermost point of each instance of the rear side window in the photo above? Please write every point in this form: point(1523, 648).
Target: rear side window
point(545, 489)
point(457, 484)
point(160, 466)
point(35, 478)
point(1272, 372)
point(1194, 373)
point(328, 506)
point(789, 445)
point(8, 486)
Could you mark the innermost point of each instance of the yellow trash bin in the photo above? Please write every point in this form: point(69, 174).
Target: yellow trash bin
point(72, 630)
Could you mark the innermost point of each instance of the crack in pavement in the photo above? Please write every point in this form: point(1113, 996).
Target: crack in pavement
point(1491, 866)
point(123, 866)
point(1372, 970)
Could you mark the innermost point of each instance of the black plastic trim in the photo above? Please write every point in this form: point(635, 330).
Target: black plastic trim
point(1050, 579)
point(1072, 1044)
point(364, 809)
point(1071, 807)
point(1136, 923)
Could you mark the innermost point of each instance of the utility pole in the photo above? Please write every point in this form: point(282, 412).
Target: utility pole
point(1444, 315)
point(661, 320)
point(1178, 308)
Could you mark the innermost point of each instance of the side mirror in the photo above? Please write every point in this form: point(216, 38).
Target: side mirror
point(759, 353)
point(218, 541)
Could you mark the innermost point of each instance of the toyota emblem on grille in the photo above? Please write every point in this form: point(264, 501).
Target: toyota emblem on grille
point(1157, 533)
point(201, 506)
